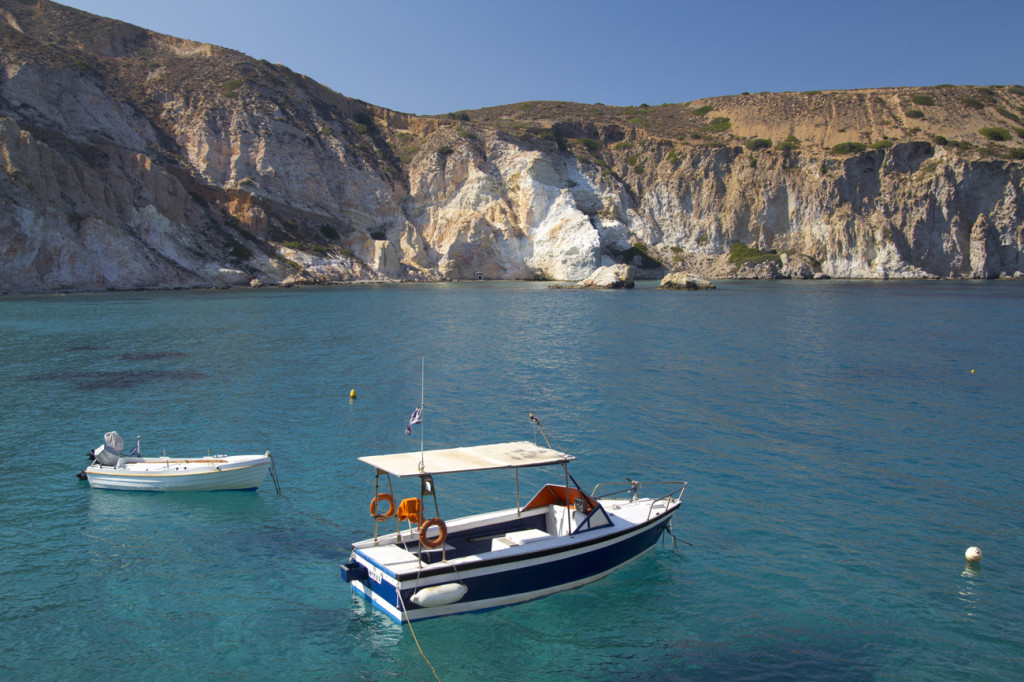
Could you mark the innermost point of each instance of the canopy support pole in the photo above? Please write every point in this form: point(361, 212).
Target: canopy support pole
point(568, 517)
point(519, 510)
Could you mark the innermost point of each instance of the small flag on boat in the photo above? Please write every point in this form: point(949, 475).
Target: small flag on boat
point(134, 451)
point(416, 418)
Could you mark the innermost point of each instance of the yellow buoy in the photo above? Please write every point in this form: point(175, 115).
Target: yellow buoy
point(352, 394)
point(972, 371)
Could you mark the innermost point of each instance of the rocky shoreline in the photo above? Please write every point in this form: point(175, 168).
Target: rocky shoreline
point(698, 282)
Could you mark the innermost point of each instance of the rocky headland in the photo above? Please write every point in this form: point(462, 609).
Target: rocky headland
point(133, 159)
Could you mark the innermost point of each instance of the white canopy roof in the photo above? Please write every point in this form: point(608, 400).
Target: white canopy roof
point(470, 458)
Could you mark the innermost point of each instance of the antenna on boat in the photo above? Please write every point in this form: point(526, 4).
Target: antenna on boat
point(537, 422)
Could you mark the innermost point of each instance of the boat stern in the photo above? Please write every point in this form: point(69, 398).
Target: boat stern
point(375, 585)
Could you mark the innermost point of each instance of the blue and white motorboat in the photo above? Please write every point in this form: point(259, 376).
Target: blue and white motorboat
point(560, 539)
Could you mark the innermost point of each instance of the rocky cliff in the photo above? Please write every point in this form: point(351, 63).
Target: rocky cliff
point(133, 159)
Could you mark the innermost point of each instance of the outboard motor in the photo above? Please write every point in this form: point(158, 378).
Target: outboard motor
point(112, 439)
point(108, 453)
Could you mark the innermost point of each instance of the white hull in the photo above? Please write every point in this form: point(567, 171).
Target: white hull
point(505, 576)
point(562, 538)
point(236, 472)
point(398, 614)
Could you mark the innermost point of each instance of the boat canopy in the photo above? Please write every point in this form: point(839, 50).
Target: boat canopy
point(470, 458)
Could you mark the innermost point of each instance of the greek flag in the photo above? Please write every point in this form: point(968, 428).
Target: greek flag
point(416, 418)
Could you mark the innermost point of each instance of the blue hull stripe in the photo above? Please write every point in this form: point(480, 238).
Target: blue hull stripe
point(510, 578)
point(549, 573)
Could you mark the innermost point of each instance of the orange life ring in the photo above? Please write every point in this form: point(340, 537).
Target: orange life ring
point(439, 540)
point(375, 504)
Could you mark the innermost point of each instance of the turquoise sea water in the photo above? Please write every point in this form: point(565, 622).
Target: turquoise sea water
point(840, 452)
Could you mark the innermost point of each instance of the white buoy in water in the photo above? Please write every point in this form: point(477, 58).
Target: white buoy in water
point(973, 554)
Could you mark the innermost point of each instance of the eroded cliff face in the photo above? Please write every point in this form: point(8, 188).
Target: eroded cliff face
point(138, 160)
point(912, 210)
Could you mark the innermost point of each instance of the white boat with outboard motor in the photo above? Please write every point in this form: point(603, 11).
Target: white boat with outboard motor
point(560, 539)
point(113, 470)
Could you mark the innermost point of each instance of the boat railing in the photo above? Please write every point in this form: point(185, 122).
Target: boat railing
point(633, 489)
point(671, 497)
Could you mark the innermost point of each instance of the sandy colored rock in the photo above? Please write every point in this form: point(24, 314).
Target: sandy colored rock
point(685, 281)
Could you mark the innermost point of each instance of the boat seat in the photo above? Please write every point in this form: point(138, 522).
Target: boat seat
point(388, 555)
point(518, 537)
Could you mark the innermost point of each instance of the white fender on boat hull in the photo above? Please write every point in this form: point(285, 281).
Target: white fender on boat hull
point(439, 595)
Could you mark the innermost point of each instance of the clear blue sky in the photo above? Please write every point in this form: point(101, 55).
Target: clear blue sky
point(437, 56)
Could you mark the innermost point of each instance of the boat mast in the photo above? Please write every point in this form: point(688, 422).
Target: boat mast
point(421, 421)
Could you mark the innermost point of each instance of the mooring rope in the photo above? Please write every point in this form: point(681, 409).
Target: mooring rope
point(409, 622)
point(273, 473)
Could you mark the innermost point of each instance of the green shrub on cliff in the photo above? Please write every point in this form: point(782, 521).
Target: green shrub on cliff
point(1006, 113)
point(758, 143)
point(996, 134)
point(637, 254)
point(923, 100)
point(719, 124)
point(915, 113)
point(849, 148)
point(741, 253)
point(229, 88)
point(789, 144)
point(592, 145)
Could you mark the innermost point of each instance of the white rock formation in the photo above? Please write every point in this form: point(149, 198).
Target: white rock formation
point(616, 276)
